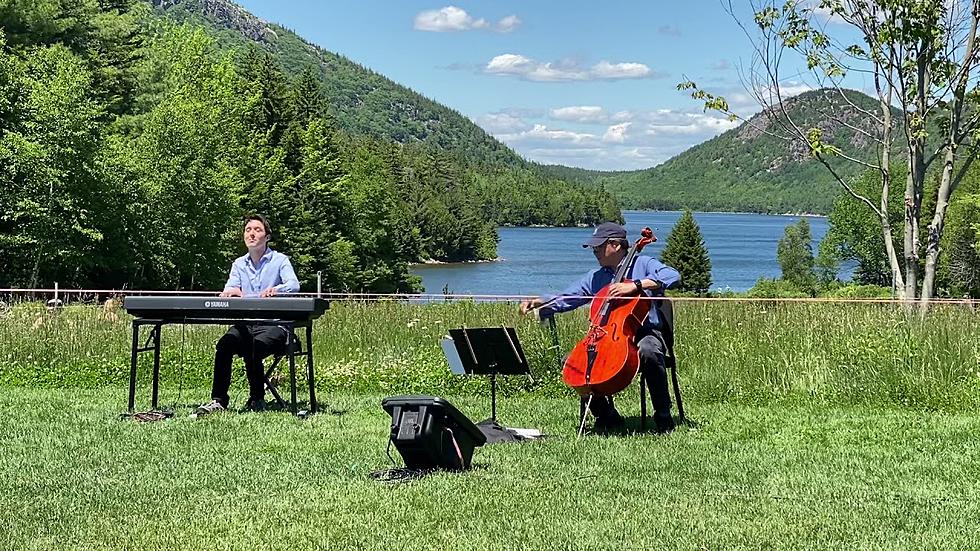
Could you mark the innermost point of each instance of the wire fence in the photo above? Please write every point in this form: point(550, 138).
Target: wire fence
point(97, 295)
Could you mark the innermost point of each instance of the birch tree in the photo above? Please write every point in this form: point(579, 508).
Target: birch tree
point(921, 58)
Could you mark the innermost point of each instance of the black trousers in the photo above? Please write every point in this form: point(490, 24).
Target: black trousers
point(653, 365)
point(253, 343)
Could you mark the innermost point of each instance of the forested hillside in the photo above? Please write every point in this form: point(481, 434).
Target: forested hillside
point(364, 103)
point(132, 144)
point(748, 169)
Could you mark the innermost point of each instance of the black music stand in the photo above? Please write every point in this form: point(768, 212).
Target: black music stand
point(489, 351)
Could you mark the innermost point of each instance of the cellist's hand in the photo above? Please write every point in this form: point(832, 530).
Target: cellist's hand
point(625, 289)
point(528, 305)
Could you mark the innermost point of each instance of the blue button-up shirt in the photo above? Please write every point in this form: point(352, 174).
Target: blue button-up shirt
point(582, 291)
point(273, 270)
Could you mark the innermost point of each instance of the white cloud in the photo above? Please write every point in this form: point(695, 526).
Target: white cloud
point(637, 153)
point(745, 104)
point(790, 90)
point(606, 70)
point(541, 133)
point(824, 14)
point(616, 133)
point(446, 19)
point(529, 69)
point(684, 124)
point(696, 125)
point(451, 18)
point(507, 24)
point(579, 113)
point(621, 116)
point(566, 152)
point(504, 123)
point(524, 112)
point(954, 9)
point(510, 63)
point(629, 140)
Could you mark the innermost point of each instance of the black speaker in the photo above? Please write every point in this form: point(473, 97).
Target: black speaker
point(430, 433)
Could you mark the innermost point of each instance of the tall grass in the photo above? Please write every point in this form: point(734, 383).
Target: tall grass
point(744, 352)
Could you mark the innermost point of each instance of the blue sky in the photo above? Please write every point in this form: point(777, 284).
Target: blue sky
point(583, 84)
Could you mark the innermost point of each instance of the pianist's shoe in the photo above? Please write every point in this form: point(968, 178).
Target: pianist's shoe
point(253, 405)
point(210, 407)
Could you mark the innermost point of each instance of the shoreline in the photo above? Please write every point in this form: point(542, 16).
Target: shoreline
point(546, 226)
point(803, 214)
point(434, 262)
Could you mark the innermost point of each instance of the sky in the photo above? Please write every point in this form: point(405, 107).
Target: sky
point(583, 84)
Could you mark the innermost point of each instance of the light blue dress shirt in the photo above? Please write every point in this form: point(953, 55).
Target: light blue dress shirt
point(273, 270)
point(582, 291)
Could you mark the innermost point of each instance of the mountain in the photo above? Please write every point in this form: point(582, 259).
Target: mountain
point(363, 102)
point(749, 169)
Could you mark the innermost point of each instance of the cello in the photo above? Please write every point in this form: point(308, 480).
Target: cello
point(607, 358)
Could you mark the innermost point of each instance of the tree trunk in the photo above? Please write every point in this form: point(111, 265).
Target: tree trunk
point(886, 180)
point(936, 226)
point(36, 271)
point(947, 183)
point(917, 170)
point(911, 222)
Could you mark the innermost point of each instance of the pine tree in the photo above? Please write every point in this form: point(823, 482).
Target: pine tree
point(795, 255)
point(272, 112)
point(686, 252)
point(307, 97)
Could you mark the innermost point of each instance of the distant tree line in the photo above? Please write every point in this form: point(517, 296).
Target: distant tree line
point(130, 147)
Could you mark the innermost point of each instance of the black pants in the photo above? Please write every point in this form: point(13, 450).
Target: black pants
point(253, 343)
point(653, 365)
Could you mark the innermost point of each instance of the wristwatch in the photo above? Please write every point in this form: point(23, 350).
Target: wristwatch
point(639, 284)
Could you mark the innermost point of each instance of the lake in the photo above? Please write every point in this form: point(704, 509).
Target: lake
point(532, 261)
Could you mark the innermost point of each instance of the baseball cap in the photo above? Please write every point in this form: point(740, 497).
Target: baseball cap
point(604, 232)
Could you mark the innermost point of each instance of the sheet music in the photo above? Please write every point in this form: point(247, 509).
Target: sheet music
point(452, 356)
point(527, 434)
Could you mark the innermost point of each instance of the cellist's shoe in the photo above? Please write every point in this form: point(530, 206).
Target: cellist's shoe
point(610, 424)
point(664, 423)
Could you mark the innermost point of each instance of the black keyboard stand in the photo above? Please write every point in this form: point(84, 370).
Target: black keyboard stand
point(291, 351)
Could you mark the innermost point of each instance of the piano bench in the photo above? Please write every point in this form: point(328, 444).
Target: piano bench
point(273, 386)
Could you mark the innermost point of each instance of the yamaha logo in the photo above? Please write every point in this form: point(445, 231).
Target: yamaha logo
point(215, 304)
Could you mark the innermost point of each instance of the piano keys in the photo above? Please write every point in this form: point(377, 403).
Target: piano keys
point(226, 308)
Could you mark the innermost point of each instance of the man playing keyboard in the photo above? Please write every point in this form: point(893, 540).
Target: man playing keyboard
point(260, 273)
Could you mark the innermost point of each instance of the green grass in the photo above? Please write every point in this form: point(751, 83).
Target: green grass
point(73, 475)
point(819, 426)
point(731, 352)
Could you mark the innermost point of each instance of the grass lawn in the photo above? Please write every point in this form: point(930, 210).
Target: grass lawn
point(73, 475)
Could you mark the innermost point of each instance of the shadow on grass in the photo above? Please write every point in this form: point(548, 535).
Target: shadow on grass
point(635, 425)
point(190, 408)
point(398, 475)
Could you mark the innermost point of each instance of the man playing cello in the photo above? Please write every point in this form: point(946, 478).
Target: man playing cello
point(648, 276)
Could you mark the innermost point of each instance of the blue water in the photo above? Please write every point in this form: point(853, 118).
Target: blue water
point(532, 261)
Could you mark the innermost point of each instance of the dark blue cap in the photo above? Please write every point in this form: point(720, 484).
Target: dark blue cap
point(604, 232)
